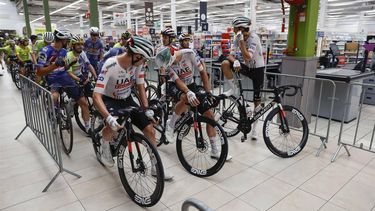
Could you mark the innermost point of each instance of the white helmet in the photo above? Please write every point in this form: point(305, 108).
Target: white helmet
point(184, 36)
point(165, 57)
point(142, 46)
point(169, 32)
point(62, 33)
point(241, 22)
point(94, 30)
point(48, 37)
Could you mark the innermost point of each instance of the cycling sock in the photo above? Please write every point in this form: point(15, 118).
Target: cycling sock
point(87, 125)
point(173, 119)
point(231, 83)
point(213, 144)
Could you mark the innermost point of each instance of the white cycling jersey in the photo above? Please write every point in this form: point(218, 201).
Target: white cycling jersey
point(184, 69)
point(254, 46)
point(116, 82)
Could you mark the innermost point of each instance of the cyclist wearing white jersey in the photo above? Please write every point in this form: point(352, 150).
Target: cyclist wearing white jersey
point(113, 92)
point(248, 45)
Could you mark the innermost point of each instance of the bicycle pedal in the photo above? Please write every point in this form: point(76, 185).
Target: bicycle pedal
point(243, 138)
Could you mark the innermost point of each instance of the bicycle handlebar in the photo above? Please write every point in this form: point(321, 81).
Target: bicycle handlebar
point(283, 89)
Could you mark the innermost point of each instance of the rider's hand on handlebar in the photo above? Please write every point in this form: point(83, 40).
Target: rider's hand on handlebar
point(112, 122)
point(236, 65)
point(150, 115)
point(192, 98)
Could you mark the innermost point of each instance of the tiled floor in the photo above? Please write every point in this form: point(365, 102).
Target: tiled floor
point(254, 180)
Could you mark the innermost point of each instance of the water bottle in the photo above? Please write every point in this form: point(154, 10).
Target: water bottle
point(249, 112)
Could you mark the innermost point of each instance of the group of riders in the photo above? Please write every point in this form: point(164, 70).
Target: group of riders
point(121, 69)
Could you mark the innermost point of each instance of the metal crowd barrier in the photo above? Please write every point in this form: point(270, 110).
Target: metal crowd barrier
point(313, 88)
point(191, 202)
point(41, 118)
point(364, 133)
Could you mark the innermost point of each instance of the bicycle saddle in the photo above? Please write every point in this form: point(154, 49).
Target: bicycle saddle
point(125, 112)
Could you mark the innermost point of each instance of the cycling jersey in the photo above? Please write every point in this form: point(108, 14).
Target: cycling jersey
point(184, 69)
point(77, 68)
point(49, 55)
point(38, 46)
point(254, 46)
point(8, 50)
point(116, 82)
point(93, 49)
point(111, 53)
point(23, 53)
point(117, 45)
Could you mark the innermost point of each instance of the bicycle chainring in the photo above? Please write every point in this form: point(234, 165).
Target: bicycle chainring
point(244, 126)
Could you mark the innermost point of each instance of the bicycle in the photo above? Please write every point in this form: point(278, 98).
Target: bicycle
point(64, 120)
point(193, 150)
point(142, 160)
point(96, 122)
point(14, 71)
point(282, 118)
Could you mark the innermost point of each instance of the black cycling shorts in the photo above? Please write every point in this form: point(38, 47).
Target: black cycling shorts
point(139, 118)
point(255, 74)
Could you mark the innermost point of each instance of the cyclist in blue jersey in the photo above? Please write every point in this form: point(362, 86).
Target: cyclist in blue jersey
point(94, 48)
point(51, 63)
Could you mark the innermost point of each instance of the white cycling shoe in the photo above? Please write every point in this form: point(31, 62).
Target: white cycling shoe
point(105, 154)
point(216, 155)
point(169, 133)
point(167, 174)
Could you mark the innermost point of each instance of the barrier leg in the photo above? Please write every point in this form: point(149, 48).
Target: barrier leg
point(322, 146)
point(347, 150)
point(50, 183)
point(72, 173)
point(19, 134)
point(338, 150)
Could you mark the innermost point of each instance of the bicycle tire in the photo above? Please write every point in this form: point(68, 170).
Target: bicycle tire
point(141, 199)
point(229, 119)
point(151, 92)
point(297, 118)
point(95, 137)
point(159, 110)
point(182, 132)
point(65, 124)
point(17, 80)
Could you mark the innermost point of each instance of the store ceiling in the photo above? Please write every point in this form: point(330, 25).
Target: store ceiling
point(219, 11)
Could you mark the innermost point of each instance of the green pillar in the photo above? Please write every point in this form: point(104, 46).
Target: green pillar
point(306, 33)
point(47, 18)
point(27, 19)
point(94, 13)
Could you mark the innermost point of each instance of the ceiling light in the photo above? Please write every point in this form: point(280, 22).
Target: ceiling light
point(56, 11)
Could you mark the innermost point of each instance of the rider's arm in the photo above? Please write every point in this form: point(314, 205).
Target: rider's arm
point(92, 70)
point(179, 83)
point(74, 77)
point(140, 80)
point(101, 50)
point(99, 104)
point(202, 71)
point(42, 60)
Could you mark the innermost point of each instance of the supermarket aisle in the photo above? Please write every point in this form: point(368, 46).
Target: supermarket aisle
point(254, 180)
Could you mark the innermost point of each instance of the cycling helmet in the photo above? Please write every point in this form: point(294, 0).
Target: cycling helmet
point(165, 57)
point(169, 32)
point(241, 21)
point(76, 40)
point(48, 37)
point(33, 37)
point(23, 39)
point(94, 30)
point(62, 33)
point(184, 36)
point(142, 46)
point(126, 35)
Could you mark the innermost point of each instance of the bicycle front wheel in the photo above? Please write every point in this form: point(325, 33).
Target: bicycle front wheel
point(66, 129)
point(141, 170)
point(285, 131)
point(199, 155)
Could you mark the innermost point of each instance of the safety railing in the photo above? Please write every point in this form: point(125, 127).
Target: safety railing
point(360, 132)
point(199, 205)
point(40, 117)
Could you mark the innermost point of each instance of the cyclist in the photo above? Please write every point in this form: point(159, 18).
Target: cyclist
point(113, 92)
point(116, 50)
point(94, 48)
point(23, 53)
point(183, 90)
point(247, 44)
point(9, 49)
point(51, 62)
point(78, 62)
point(124, 37)
point(47, 40)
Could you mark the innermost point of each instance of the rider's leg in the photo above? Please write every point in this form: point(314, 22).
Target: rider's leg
point(226, 67)
point(179, 109)
point(149, 132)
point(82, 102)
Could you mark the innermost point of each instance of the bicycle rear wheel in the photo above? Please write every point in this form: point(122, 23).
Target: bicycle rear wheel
point(228, 116)
point(145, 182)
point(285, 131)
point(17, 79)
point(196, 159)
point(65, 127)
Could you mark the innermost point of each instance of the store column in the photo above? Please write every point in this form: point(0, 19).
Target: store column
point(81, 24)
point(303, 20)
point(253, 13)
point(94, 13)
point(161, 20)
point(173, 14)
point(101, 20)
point(128, 17)
point(136, 26)
point(27, 19)
point(47, 18)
